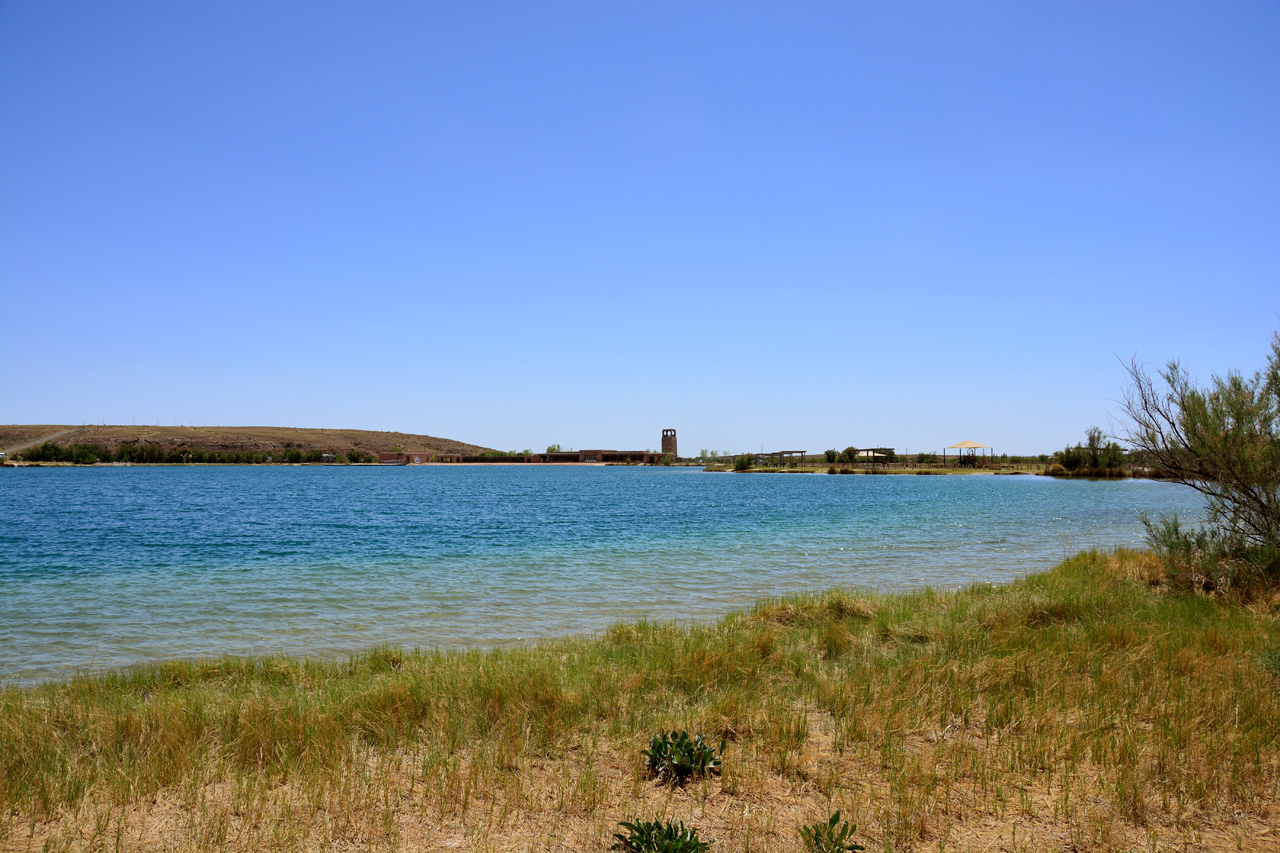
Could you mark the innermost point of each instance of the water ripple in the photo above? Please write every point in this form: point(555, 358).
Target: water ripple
point(104, 567)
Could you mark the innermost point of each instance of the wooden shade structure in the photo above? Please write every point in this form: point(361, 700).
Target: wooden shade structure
point(870, 456)
point(968, 451)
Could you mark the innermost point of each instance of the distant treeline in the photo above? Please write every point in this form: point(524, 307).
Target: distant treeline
point(1095, 458)
point(89, 454)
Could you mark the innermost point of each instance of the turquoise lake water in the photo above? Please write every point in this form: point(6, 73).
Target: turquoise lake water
point(105, 567)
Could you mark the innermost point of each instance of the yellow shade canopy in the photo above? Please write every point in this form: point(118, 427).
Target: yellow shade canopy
point(969, 445)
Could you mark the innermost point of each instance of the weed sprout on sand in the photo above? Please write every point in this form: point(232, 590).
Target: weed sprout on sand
point(679, 758)
point(651, 836)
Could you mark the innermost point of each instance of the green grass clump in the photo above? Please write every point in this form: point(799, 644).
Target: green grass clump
point(1269, 660)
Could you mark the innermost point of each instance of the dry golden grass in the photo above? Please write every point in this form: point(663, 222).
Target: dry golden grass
point(1084, 709)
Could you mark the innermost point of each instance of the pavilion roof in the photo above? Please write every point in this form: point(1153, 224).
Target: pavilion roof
point(966, 445)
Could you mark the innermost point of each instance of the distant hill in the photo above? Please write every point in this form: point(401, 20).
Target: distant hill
point(269, 440)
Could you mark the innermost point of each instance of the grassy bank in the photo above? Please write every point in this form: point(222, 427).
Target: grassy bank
point(1086, 708)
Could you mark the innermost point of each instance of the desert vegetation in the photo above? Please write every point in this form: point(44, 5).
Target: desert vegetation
point(142, 454)
point(1097, 457)
point(218, 444)
point(1222, 440)
point(1097, 706)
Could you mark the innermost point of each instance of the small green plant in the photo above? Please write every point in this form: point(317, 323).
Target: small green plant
point(651, 836)
point(678, 757)
point(829, 837)
point(744, 461)
point(1269, 659)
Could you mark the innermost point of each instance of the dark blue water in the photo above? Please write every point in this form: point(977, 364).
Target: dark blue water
point(103, 567)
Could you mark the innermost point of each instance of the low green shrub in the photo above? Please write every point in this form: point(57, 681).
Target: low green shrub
point(831, 836)
point(1211, 558)
point(678, 758)
point(1056, 470)
point(651, 836)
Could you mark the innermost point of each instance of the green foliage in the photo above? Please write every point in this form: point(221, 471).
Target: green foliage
point(1210, 558)
point(553, 448)
point(138, 454)
point(354, 456)
point(849, 454)
point(313, 456)
point(831, 455)
point(1224, 442)
point(679, 758)
point(833, 836)
point(1269, 660)
point(79, 454)
point(84, 454)
point(292, 455)
point(1071, 459)
point(1094, 457)
point(651, 836)
point(744, 461)
point(926, 458)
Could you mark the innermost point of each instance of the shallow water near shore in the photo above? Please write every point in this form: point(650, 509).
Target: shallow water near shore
point(106, 567)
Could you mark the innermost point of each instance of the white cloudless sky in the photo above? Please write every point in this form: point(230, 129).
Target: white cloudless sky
point(800, 225)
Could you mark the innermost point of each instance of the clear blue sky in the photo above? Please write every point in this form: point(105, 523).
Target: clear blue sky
point(791, 225)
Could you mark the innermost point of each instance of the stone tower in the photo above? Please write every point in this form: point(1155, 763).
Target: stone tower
point(669, 442)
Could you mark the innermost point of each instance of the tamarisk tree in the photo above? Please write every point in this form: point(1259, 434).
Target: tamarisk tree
point(1224, 442)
